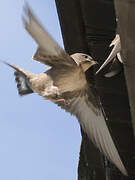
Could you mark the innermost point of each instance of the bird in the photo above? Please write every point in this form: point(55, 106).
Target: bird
point(114, 58)
point(66, 85)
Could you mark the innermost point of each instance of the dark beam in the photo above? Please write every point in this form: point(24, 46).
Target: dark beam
point(89, 26)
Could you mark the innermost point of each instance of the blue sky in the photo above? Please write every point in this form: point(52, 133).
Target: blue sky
point(38, 140)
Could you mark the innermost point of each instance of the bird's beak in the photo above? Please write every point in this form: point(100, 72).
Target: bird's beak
point(88, 64)
point(92, 62)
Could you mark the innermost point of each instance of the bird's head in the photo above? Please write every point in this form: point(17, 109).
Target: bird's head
point(83, 60)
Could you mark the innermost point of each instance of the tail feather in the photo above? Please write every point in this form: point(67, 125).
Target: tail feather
point(22, 79)
point(22, 84)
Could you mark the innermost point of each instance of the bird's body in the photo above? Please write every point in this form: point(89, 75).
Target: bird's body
point(56, 82)
point(65, 84)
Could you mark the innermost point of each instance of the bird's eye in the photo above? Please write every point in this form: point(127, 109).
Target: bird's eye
point(86, 57)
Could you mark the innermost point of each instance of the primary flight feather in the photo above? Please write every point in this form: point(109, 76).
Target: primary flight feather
point(114, 55)
point(65, 84)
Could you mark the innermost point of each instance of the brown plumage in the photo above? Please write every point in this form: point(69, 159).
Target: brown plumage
point(65, 84)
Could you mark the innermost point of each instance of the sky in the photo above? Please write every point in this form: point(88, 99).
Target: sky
point(38, 140)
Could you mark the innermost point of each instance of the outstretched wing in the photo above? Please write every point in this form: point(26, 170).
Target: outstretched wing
point(115, 51)
point(93, 123)
point(48, 52)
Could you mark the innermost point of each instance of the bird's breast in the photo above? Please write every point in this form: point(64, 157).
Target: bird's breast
point(71, 81)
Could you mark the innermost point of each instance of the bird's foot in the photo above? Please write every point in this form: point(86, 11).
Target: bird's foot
point(61, 100)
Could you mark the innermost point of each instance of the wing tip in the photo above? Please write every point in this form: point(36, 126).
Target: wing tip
point(123, 170)
point(28, 14)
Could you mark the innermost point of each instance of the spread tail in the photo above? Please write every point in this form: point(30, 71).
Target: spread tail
point(22, 83)
point(22, 79)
